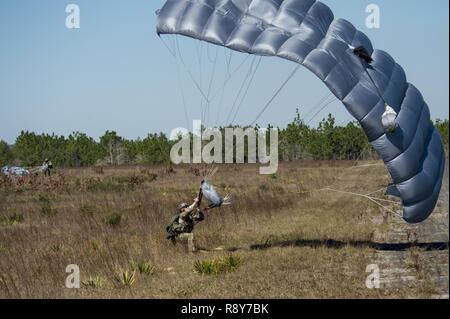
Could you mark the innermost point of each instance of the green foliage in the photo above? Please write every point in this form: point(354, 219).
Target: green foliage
point(207, 267)
point(231, 262)
point(126, 278)
point(216, 266)
point(296, 142)
point(82, 150)
point(144, 267)
point(6, 154)
point(442, 127)
point(113, 220)
point(57, 248)
point(12, 220)
point(154, 149)
point(94, 283)
point(112, 146)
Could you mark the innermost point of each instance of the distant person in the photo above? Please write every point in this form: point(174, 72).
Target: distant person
point(46, 167)
point(182, 225)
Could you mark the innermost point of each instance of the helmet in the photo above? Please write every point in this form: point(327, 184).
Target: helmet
point(183, 206)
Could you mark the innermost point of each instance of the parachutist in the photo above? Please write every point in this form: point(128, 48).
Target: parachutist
point(182, 224)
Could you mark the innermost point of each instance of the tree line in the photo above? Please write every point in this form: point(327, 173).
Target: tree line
point(297, 141)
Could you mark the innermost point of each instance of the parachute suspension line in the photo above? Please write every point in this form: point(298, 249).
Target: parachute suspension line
point(320, 110)
point(213, 74)
point(228, 60)
point(183, 97)
point(246, 90)
point(200, 72)
point(183, 63)
point(372, 199)
point(276, 94)
point(241, 88)
point(221, 90)
point(318, 104)
point(172, 52)
point(242, 91)
point(228, 78)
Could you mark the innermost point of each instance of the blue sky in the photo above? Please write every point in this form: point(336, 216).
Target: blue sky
point(115, 74)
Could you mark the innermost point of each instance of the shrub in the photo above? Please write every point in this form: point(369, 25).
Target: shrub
point(12, 219)
point(126, 278)
point(143, 267)
point(113, 219)
point(57, 248)
point(217, 266)
point(207, 267)
point(96, 282)
point(231, 262)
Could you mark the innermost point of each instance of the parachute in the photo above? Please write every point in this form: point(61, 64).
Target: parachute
point(212, 196)
point(14, 171)
point(369, 82)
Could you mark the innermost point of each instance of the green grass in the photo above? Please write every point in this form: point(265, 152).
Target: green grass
point(12, 220)
point(144, 267)
point(113, 220)
point(94, 283)
point(126, 278)
point(216, 266)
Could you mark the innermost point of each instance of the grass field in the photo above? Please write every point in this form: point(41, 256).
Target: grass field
point(283, 237)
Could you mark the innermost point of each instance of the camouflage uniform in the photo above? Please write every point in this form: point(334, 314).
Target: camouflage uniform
point(183, 224)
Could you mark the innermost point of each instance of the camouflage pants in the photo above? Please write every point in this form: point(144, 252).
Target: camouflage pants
point(189, 237)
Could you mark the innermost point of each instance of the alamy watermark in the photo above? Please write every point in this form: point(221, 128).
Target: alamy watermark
point(229, 145)
point(73, 279)
point(73, 19)
point(373, 279)
point(373, 20)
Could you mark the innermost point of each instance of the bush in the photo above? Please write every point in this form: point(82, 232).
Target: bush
point(144, 268)
point(96, 282)
point(12, 219)
point(217, 266)
point(207, 267)
point(113, 219)
point(126, 278)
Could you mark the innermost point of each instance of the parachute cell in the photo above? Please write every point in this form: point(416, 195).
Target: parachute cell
point(306, 32)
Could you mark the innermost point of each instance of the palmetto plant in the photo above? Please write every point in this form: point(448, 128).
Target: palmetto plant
point(216, 266)
point(231, 261)
point(96, 282)
point(144, 267)
point(207, 267)
point(127, 278)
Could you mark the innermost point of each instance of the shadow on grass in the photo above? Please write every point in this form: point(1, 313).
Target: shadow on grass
point(336, 244)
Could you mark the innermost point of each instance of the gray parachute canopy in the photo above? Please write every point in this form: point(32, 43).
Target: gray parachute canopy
point(305, 32)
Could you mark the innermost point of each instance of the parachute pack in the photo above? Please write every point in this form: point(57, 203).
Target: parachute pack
point(372, 86)
point(14, 171)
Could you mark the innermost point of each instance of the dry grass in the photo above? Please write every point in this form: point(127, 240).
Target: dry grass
point(108, 221)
